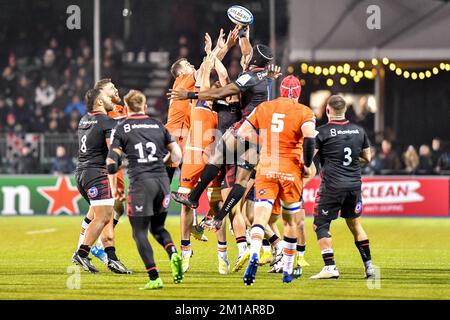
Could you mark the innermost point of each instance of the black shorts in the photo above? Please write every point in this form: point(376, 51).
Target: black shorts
point(148, 196)
point(93, 185)
point(329, 205)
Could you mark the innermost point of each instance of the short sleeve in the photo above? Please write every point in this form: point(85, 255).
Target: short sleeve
point(246, 81)
point(308, 116)
point(116, 138)
point(319, 140)
point(108, 126)
point(366, 141)
point(167, 137)
point(252, 118)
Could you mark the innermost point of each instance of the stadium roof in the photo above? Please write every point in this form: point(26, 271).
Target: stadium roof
point(330, 30)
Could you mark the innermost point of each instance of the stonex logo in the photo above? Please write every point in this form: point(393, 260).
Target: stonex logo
point(391, 192)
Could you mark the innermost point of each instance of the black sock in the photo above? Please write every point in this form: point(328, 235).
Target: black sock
point(170, 249)
point(115, 222)
point(265, 242)
point(84, 250)
point(208, 175)
point(241, 239)
point(111, 253)
point(273, 239)
point(301, 248)
point(364, 249)
point(236, 194)
point(152, 272)
point(87, 220)
point(185, 244)
point(328, 257)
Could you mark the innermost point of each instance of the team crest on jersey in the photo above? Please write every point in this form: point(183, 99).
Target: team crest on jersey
point(358, 207)
point(166, 201)
point(93, 192)
point(261, 192)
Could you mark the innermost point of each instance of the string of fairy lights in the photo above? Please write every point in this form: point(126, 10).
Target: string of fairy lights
point(367, 70)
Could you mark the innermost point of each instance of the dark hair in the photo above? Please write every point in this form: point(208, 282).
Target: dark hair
point(176, 66)
point(102, 83)
point(90, 98)
point(337, 103)
point(262, 55)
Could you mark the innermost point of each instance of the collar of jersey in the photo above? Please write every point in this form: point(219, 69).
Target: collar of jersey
point(137, 116)
point(338, 122)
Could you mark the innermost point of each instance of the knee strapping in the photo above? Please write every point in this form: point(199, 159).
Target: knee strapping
point(322, 227)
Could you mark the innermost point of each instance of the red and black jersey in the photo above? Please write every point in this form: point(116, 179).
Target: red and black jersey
point(93, 130)
point(144, 141)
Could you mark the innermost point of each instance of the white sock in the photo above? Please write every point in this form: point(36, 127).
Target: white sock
point(242, 246)
point(222, 250)
point(84, 226)
point(186, 250)
point(266, 248)
point(256, 238)
point(289, 247)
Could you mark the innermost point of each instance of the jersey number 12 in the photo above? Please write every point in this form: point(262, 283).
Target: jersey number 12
point(151, 156)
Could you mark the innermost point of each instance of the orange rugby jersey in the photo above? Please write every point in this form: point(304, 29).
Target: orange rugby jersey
point(119, 112)
point(279, 123)
point(178, 118)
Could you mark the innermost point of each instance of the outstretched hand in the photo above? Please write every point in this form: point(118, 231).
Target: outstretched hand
point(274, 71)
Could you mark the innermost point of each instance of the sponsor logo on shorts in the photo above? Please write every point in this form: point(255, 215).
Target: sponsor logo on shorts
point(139, 208)
point(358, 207)
point(166, 201)
point(93, 192)
point(325, 213)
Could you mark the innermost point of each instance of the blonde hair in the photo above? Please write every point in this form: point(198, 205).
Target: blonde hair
point(135, 100)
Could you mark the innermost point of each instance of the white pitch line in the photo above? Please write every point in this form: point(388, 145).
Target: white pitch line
point(41, 231)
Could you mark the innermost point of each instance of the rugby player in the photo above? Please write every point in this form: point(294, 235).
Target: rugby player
point(254, 87)
point(144, 142)
point(107, 237)
point(342, 147)
point(94, 132)
point(280, 127)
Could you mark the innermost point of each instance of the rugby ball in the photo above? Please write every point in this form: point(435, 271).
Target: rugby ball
point(240, 15)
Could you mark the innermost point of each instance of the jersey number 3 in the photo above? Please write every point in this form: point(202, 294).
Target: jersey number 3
point(277, 122)
point(151, 156)
point(347, 156)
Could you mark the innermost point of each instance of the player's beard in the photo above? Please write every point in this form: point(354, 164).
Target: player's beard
point(115, 99)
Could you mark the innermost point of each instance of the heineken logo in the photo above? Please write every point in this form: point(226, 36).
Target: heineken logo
point(22, 195)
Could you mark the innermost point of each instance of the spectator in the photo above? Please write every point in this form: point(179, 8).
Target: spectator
point(7, 84)
point(27, 163)
point(425, 160)
point(62, 164)
point(39, 123)
point(11, 124)
point(390, 162)
point(410, 159)
point(49, 69)
point(25, 89)
point(4, 110)
point(438, 154)
point(45, 94)
point(22, 112)
point(76, 104)
point(374, 166)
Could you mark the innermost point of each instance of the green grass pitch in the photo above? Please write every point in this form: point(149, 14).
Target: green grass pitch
point(412, 254)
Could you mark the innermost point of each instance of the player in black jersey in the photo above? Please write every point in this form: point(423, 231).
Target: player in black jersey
point(145, 142)
point(342, 147)
point(254, 88)
point(94, 132)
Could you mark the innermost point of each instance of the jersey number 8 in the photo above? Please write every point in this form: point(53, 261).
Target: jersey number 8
point(83, 147)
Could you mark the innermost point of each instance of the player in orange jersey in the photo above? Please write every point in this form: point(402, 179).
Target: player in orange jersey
point(283, 126)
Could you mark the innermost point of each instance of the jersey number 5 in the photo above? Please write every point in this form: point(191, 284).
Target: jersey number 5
point(277, 122)
point(151, 157)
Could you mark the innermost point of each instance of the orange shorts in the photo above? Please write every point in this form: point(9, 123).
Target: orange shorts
point(190, 174)
point(287, 188)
